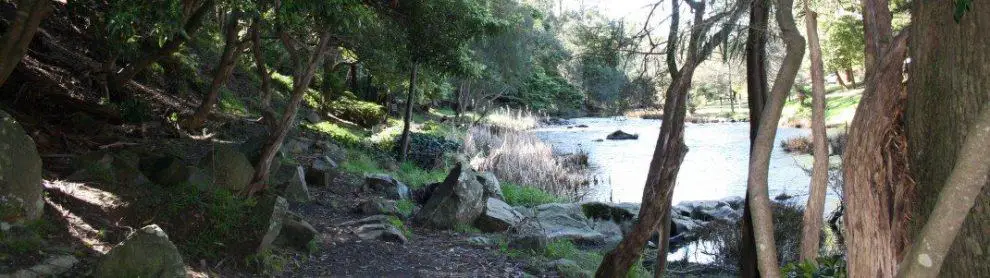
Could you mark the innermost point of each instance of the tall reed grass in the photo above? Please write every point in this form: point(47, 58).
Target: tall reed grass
point(513, 119)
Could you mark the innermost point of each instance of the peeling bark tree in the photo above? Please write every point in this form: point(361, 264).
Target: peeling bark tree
point(812, 222)
point(759, 161)
point(877, 189)
point(232, 49)
point(15, 42)
point(265, 91)
point(948, 87)
point(756, 87)
point(306, 62)
point(407, 118)
point(654, 213)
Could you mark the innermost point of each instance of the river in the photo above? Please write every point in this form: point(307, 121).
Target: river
point(715, 166)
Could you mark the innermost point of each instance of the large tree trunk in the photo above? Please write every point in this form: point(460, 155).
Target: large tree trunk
point(876, 187)
point(303, 75)
point(265, 92)
point(192, 24)
point(759, 162)
point(838, 78)
point(757, 91)
point(876, 23)
point(407, 118)
point(948, 87)
point(232, 48)
point(15, 42)
point(812, 222)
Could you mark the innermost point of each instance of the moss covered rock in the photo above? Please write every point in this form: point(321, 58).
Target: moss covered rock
point(145, 253)
point(20, 173)
point(229, 167)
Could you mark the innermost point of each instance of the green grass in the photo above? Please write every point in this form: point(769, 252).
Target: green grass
point(229, 103)
point(466, 228)
point(395, 221)
point(405, 207)
point(346, 136)
point(360, 162)
point(587, 260)
point(516, 195)
point(416, 177)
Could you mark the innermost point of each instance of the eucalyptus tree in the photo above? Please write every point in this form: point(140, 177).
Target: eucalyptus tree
point(14, 43)
point(309, 31)
point(707, 31)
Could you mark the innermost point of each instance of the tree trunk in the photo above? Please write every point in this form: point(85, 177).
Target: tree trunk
point(876, 187)
point(303, 75)
point(353, 77)
point(407, 118)
point(841, 83)
point(876, 23)
point(192, 25)
point(759, 162)
point(851, 76)
point(231, 50)
point(756, 88)
point(265, 94)
point(15, 42)
point(948, 87)
point(812, 227)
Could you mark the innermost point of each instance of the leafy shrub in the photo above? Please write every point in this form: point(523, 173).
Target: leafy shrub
point(801, 145)
point(427, 151)
point(828, 267)
point(231, 104)
point(360, 112)
point(212, 224)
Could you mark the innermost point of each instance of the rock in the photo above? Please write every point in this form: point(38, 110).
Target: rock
point(321, 171)
point(295, 233)
point(531, 242)
point(367, 220)
point(230, 168)
point(20, 172)
point(562, 221)
point(313, 117)
point(388, 186)
point(497, 217)
point(145, 253)
point(724, 213)
point(274, 209)
point(296, 189)
point(481, 241)
point(381, 231)
point(121, 167)
point(166, 170)
point(599, 140)
point(51, 267)
point(458, 200)
point(420, 196)
point(620, 135)
point(297, 146)
point(582, 126)
point(490, 183)
point(376, 206)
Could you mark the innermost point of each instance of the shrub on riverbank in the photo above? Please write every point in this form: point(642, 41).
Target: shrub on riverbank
point(721, 239)
point(521, 158)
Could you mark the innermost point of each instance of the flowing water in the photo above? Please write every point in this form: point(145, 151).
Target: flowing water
point(715, 167)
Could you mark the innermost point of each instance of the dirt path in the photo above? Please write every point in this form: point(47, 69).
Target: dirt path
point(428, 253)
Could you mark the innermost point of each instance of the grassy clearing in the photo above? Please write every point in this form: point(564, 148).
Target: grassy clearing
point(840, 107)
point(517, 195)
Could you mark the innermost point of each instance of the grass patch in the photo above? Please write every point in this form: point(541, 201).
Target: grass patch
point(395, 221)
point(346, 136)
point(517, 195)
point(416, 177)
point(466, 228)
point(229, 103)
point(405, 207)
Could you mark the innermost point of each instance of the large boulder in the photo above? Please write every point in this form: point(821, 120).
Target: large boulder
point(497, 217)
point(321, 171)
point(296, 233)
point(296, 188)
point(376, 206)
point(120, 167)
point(620, 135)
point(563, 222)
point(145, 253)
point(377, 227)
point(20, 173)
point(490, 183)
point(230, 168)
point(170, 170)
point(386, 185)
point(273, 209)
point(458, 200)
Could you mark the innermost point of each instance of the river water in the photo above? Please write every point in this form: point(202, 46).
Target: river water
point(715, 167)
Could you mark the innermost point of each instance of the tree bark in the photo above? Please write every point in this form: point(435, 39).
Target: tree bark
point(876, 187)
point(812, 228)
point(407, 118)
point(303, 75)
point(232, 48)
point(759, 162)
point(948, 87)
point(265, 92)
point(851, 76)
point(757, 91)
point(194, 22)
point(876, 23)
point(954, 203)
point(15, 42)
point(841, 83)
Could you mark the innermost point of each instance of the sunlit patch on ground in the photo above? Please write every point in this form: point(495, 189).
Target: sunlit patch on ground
point(80, 229)
point(93, 196)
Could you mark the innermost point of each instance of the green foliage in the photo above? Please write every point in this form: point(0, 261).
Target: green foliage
point(405, 207)
point(516, 195)
point(395, 221)
point(843, 48)
point(466, 228)
point(962, 6)
point(230, 103)
point(360, 162)
point(827, 267)
point(215, 222)
point(268, 262)
point(429, 151)
point(345, 136)
point(416, 177)
point(360, 112)
point(22, 240)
